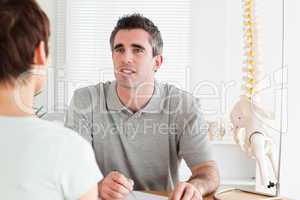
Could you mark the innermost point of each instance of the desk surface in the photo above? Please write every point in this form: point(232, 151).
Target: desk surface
point(206, 198)
point(166, 194)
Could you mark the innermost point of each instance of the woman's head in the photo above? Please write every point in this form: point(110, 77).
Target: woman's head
point(24, 35)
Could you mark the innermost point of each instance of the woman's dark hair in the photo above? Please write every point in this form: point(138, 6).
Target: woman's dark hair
point(23, 25)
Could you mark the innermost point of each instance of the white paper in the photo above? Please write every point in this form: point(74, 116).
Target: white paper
point(135, 195)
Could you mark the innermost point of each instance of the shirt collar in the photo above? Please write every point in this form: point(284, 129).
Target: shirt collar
point(113, 101)
point(153, 106)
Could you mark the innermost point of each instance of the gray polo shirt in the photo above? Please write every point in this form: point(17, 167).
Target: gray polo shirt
point(148, 145)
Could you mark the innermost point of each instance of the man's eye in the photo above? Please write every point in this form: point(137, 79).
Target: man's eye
point(119, 50)
point(137, 50)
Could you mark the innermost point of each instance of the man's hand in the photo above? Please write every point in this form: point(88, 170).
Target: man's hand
point(115, 186)
point(185, 191)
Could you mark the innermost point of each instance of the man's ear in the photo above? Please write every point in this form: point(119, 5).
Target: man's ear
point(158, 60)
point(40, 57)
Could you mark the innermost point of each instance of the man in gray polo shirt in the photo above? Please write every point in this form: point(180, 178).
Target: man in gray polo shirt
point(141, 129)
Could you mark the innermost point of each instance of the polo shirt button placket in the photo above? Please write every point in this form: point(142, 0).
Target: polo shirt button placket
point(129, 125)
point(133, 126)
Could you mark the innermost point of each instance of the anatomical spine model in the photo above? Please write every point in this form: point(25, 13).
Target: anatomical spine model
point(248, 115)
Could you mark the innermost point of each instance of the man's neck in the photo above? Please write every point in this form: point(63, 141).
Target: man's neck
point(135, 99)
point(16, 103)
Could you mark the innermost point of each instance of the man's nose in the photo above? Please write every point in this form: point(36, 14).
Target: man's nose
point(127, 57)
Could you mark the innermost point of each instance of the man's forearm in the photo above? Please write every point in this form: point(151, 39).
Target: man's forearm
point(206, 179)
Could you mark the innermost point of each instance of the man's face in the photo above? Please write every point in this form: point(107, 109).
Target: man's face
point(133, 60)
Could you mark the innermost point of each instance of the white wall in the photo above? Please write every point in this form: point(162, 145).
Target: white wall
point(290, 174)
point(211, 29)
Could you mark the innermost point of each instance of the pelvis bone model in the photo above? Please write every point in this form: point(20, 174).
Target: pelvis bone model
point(250, 133)
point(249, 117)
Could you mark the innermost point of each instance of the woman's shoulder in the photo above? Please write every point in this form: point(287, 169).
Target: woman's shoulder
point(57, 134)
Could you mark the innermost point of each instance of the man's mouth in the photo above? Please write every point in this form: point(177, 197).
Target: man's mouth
point(127, 71)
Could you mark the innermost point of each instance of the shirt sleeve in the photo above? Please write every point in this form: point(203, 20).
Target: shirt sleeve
point(80, 171)
point(78, 116)
point(194, 145)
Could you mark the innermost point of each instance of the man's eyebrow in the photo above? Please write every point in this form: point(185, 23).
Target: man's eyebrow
point(138, 46)
point(118, 46)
